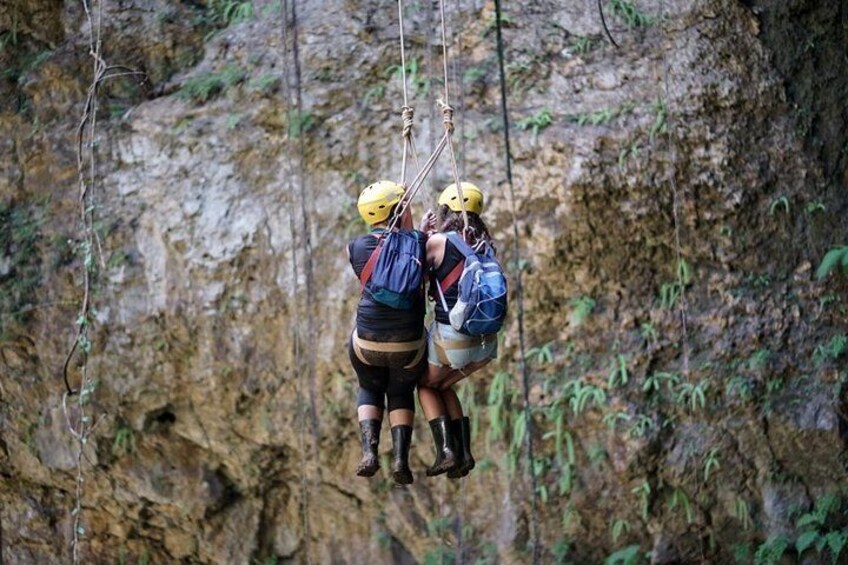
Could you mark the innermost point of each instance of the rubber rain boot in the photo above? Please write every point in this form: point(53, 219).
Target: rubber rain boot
point(401, 439)
point(462, 436)
point(370, 437)
point(443, 440)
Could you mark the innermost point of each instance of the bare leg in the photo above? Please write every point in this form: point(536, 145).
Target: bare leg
point(459, 374)
point(401, 417)
point(451, 402)
point(435, 374)
point(369, 412)
point(431, 402)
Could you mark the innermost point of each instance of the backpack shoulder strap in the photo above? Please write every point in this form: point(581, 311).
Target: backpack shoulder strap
point(365, 275)
point(460, 244)
point(451, 277)
point(456, 272)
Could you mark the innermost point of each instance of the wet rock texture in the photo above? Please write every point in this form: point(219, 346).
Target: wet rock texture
point(674, 199)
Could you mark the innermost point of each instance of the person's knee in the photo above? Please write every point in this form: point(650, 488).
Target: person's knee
point(367, 397)
point(402, 401)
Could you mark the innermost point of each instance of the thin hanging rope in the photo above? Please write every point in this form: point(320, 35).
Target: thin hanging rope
point(447, 113)
point(407, 112)
point(292, 107)
point(675, 207)
point(525, 377)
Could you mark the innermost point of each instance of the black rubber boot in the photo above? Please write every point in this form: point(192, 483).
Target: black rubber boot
point(370, 437)
point(462, 437)
point(401, 439)
point(443, 439)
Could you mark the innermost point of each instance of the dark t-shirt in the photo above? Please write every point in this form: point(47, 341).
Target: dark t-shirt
point(451, 259)
point(376, 321)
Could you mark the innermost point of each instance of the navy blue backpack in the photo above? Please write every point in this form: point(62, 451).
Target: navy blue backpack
point(394, 271)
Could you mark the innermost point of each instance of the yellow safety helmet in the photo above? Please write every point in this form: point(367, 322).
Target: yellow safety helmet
point(472, 195)
point(376, 201)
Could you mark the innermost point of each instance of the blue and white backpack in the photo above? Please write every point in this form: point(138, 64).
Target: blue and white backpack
point(481, 303)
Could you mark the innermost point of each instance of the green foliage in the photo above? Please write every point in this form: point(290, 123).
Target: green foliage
point(781, 201)
point(695, 394)
point(641, 426)
point(537, 122)
point(561, 549)
point(619, 527)
point(630, 555)
point(628, 13)
point(812, 207)
point(376, 92)
point(416, 81)
point(498, 398)
point(711, 463)
point(643, 491)
point(771, 551)
point(300, 123)
point(603, 116)
point(473, 74)
point(581, 307)
point(506, 22)
point(439, 555)
point(833, 259)
point(225, 12)
point(671, 291)
point(659, 126)
point(816, 534)
point(618, 374)
point(523, 73)
point(654, 382)
point(742, 512)
point(20, 263)
point(265, 84)
point(543, 355)
point(583, 44)
point(832, 350)
point(648, 332)
point(124, 442)
point(581, 395)
point(679, 499)
point(610, 419)
point(204, 87)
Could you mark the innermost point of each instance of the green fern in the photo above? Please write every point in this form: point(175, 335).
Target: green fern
point(833, 260)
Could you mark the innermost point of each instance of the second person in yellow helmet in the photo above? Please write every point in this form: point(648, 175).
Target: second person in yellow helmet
point(388, 345)
point(453, 354)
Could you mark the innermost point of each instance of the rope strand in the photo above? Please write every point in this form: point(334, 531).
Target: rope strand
point(292, 107)
point(525, 377)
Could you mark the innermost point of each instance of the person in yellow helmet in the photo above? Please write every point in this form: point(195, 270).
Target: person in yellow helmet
point(388, 346)
point(452, 356)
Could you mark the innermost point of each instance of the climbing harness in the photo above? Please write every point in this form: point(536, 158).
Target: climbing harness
point(519, 289)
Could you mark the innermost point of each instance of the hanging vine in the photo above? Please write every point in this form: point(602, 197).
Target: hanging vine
point(77, 402)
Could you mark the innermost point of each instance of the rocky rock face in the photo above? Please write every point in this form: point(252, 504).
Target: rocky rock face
point(674, 197)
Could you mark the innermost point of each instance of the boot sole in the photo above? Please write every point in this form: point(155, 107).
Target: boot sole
point(367, 471)
point(402, 478)
point(447, 465)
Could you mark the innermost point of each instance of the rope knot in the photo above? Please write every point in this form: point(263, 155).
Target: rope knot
point(447, 116)
point(407, 114)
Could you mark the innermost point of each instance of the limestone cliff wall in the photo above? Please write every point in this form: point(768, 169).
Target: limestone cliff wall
point(675, 196)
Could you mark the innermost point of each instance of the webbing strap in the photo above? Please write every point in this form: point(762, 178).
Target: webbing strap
point(418, 345)
point(451, 277)
point(450, 345)
point(371, 263)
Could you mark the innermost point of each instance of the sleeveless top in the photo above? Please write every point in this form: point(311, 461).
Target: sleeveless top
point(376, 321)
point(451, 259)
